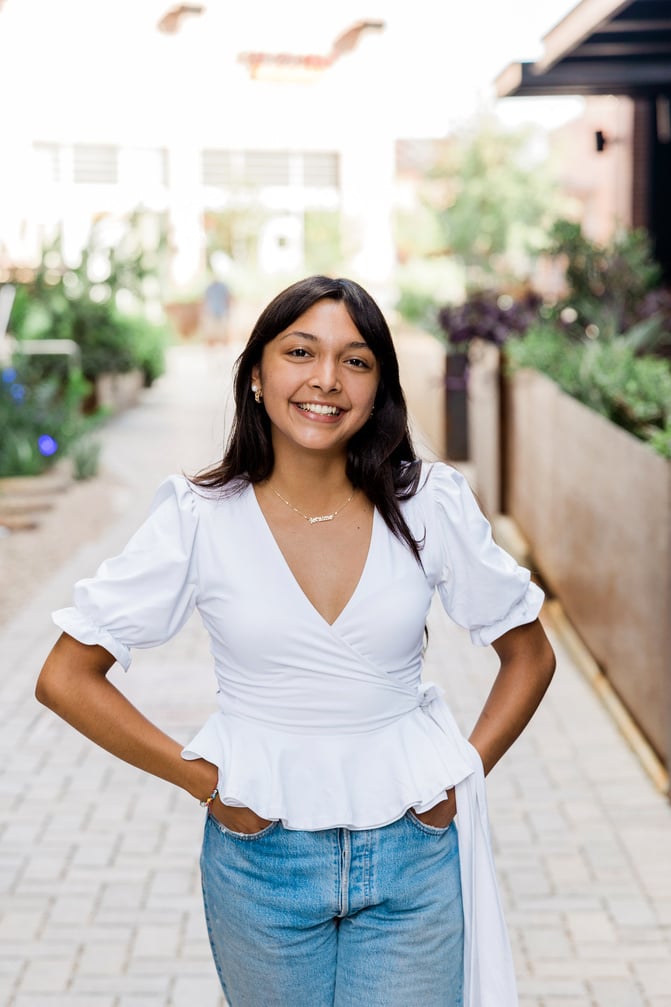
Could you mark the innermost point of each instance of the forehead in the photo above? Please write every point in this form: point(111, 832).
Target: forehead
point(326, 319)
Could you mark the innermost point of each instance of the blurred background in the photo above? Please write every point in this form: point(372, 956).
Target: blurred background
point(497, 175)
point(256, 143)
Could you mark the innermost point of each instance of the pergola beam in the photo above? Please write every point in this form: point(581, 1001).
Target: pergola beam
point(610, 50)
point(629, 26)
point(593, 51)
point(585, 77)
point(583, 21)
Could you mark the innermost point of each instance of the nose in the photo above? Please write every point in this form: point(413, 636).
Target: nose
point(325, 374)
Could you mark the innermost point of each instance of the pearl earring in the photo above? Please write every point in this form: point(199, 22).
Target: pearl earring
point(258, 394)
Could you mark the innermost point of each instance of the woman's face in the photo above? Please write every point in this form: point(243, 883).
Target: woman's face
point(319, 379)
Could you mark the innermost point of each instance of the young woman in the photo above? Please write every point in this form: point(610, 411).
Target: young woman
point(333, 872)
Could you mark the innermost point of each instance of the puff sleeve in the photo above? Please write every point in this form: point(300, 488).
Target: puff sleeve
point(481, 586)
point(143, 596)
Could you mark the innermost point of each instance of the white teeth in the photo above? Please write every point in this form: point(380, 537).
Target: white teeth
point(314, 407)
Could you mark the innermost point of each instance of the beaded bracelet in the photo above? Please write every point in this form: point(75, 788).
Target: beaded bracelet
point(208, 800)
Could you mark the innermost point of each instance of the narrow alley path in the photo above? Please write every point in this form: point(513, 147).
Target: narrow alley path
point(100, 903)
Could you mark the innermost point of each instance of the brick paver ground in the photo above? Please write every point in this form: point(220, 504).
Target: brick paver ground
point(100, 902)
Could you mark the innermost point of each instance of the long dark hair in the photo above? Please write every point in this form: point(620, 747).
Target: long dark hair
point(381, 460)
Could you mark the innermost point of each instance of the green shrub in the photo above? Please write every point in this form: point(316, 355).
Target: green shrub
point(85, 455)
point(62, 301)
point(109, 340)
point(40, 422)
point(545, 348)
point(103, 336)
point(606, 375)
point(419, 308)
point(660, 441)
point(148, 344)
point(607, 284)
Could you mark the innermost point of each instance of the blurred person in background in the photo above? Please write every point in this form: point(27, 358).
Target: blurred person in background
point(215, 315)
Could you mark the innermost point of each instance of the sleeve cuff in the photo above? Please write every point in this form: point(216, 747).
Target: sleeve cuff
point(523, 612)
point(73, 622)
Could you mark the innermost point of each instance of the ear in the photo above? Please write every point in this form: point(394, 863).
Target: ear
point(256, 374)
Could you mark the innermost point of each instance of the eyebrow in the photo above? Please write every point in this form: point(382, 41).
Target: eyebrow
point(354, 345)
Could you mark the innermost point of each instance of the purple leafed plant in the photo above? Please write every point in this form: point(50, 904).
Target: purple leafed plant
point(489, 315)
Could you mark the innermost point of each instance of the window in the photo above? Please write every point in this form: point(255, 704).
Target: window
point(321, 170)
point(265, 168)
point(95, 163)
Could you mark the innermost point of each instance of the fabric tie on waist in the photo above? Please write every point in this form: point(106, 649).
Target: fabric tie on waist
point(489, 978)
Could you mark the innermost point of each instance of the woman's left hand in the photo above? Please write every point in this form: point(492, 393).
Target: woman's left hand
point(441, 814)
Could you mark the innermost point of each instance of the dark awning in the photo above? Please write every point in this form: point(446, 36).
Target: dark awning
point(600, 47)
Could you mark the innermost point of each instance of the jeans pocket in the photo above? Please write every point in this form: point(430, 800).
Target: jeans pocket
point(244, 836)
point(429, 830)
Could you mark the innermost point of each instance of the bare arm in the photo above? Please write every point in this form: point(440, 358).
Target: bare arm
point(73, 683)
point(527, 666)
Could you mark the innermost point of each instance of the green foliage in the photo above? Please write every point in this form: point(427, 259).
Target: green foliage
point(41, 395)
point(418, 232)
point(419, 308)
point(607, 375)
point(545, 348)
point(82, 304)
point(499, 204)
point(660, 441)
point(85, 455)
point(423, 286)
point(607, 284)
point(149, 343)
point(40, 422)
point(634, 392)
point(600, 343)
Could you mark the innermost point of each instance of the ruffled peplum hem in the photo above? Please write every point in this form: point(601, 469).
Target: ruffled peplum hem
point(320, 781)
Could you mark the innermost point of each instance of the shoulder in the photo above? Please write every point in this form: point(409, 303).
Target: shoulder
point(205, 506)
point(177, 493)
point(442, 487)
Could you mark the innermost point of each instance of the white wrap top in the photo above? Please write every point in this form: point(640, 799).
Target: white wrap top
point(322, 725)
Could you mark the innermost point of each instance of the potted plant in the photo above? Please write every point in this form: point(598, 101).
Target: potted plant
point(42, 426)
point(120, 350)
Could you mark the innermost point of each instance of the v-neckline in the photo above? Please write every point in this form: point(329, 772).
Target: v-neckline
point(292, 575)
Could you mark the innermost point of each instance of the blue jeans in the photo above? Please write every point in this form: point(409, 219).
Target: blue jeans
point(335, 918)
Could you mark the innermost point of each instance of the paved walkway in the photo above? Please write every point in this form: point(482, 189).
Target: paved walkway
point(100, 903)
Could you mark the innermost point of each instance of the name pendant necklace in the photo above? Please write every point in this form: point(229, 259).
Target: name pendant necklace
point(318, 518)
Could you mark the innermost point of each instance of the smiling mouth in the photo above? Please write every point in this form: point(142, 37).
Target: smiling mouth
point(318, 408)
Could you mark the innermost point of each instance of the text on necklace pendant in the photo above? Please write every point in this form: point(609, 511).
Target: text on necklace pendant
point(322, 517)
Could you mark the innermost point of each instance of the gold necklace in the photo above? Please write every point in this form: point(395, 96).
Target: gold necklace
point(319, 517)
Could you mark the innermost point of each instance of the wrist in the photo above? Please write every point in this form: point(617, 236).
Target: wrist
point(200, 779)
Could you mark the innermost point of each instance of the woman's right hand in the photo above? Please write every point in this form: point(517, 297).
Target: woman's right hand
point(441, 814)
point(236, 819)
point(74, 684)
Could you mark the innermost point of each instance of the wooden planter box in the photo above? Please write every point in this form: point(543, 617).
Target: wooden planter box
point(116, 392)
point(594, 503)
point(185, 316)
